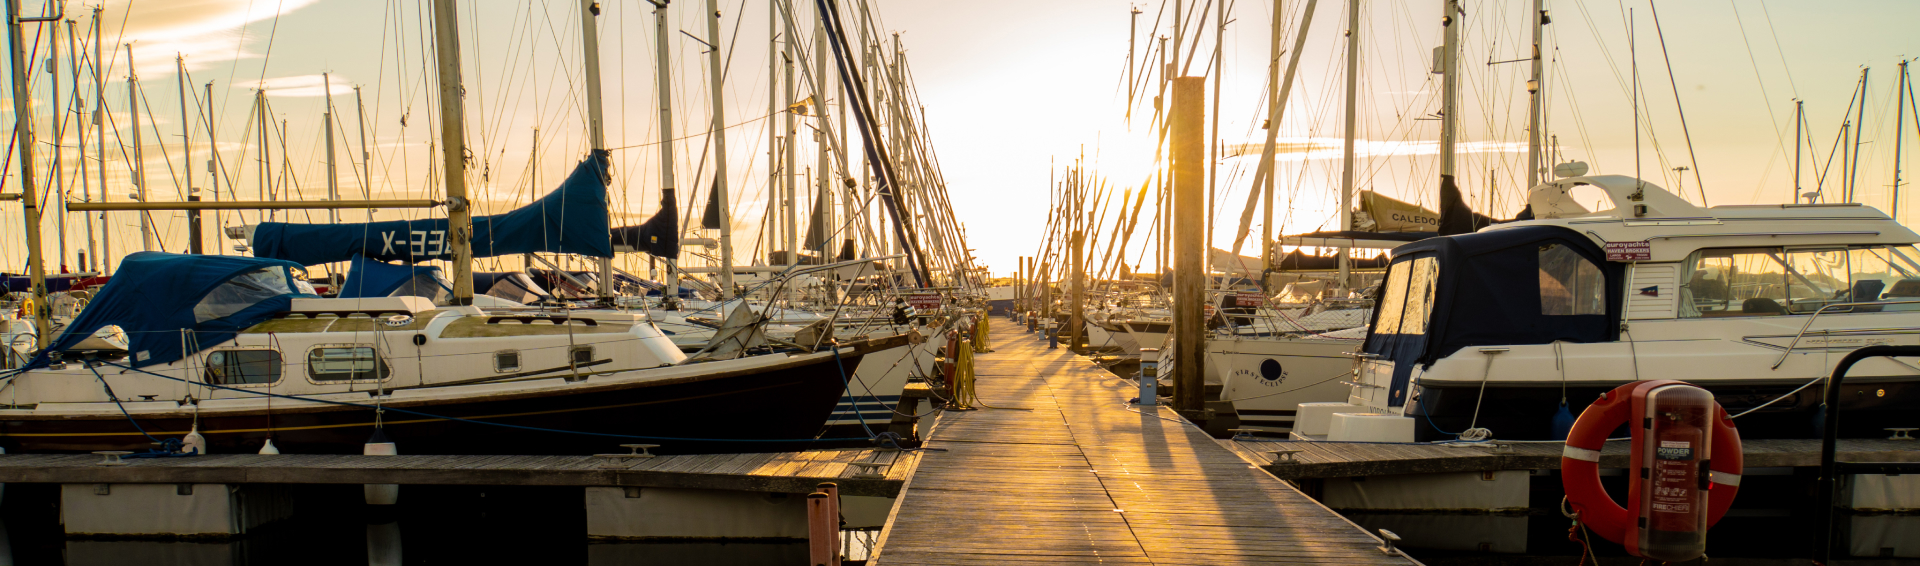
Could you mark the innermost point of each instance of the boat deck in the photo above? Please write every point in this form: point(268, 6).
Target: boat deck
point(1062, 471)
point(1315, 460)
point(779, 472)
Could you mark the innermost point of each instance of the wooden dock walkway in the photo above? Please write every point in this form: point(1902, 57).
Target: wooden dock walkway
point(1063, 472)
point(773, 472)
point(1316, 460)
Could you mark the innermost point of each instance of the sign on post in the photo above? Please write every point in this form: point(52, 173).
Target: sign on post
point(924, 301)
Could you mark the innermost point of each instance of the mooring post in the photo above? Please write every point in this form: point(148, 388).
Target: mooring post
point(820, 531)
point(1189, 153)
point(1076, 320)
point(833, 512)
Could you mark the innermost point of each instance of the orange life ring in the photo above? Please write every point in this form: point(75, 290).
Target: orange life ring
point(1580, 464)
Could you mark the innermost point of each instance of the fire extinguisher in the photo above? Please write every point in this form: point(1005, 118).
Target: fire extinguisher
point(1669, 458)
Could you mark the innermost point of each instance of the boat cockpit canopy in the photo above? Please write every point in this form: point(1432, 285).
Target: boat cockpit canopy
point(1520, 285)
point(172, 305)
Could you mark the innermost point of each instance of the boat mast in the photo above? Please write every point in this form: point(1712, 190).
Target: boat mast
point(266, 159)
point(29, 199)
point(333, 168)
point(1535, 94)
point(1449, 90)
point(100, 140)
point(452, 148)
point(1213, 164)
point(86, 191)
point(1860, 126)
point(213, 164)
point(366, 155)
point(596, 122)
point(1899, 123)
point(194, 241)
point(665, 83)
point(139, 163)
point(770, 228)
point(1346, 174)
point(59, 140)
point(1279, 90)
point(720, 150)
point(823, 184)
point(788, 219)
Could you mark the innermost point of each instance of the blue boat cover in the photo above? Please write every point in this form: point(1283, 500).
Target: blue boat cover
point(571, 219)
point(156, 296)
point(659, 236)
point(1485, 292)
point(367, 278)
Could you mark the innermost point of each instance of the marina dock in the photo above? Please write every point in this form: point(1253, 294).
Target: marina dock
point(1059, 469)
point(776, 472)
point(1318, 460)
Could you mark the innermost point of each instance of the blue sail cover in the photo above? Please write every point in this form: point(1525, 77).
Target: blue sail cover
point(660, 235)
point(571, 219)
point(154, 296)
point(367, 278)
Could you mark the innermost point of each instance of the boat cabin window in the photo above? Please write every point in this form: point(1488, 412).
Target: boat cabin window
point(506, 361)
point(582, 355)
point(243, 367)
point(345, 363)
point(1407, 298)
point(1790, 281)
point(1569, 284)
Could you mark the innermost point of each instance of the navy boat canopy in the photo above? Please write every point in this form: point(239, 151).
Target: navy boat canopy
point(571, 219)
point(367, 278)
point(1510, 286)
point(164, 301)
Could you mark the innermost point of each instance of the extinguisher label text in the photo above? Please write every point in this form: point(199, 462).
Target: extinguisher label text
point(1674, 450)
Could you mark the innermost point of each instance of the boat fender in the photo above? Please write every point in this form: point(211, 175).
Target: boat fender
point(269, 448)
point(193, 442)
point(380, 445)
point(1580, 464)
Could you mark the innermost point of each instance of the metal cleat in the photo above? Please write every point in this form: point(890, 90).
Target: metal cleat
point(112, 457)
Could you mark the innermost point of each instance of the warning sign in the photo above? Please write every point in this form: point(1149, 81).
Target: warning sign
point(923, 301)
point(1249, 299)
point(1629, 251)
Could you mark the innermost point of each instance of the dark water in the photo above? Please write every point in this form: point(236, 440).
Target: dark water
point(1773, 521)
point(332, 525)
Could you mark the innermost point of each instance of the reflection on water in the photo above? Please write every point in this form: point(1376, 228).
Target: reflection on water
point(383, 544)
point(697, 553)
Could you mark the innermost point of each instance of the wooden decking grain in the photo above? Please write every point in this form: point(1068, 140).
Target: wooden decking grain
point(1062, 471)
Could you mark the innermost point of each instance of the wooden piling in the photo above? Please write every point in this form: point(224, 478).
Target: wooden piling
point(1189, 152)
point(1076, 324)
point(822, 531)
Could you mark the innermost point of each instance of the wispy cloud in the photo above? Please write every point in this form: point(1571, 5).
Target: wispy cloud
point(1303, 149)
point(210, 31)
point(307, 86)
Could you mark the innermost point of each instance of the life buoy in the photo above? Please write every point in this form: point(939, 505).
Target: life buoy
point(1580, 464)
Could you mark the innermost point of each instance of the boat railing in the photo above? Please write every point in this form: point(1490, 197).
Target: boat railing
point(1823, 310)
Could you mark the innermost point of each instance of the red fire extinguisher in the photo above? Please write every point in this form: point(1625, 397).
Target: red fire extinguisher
point(1685, 464)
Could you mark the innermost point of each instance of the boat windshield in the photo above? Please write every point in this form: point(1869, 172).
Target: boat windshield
point(1802, 280)
point(246, 290)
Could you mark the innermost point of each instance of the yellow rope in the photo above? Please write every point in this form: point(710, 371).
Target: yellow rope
point(966, 397)
point(980, 345)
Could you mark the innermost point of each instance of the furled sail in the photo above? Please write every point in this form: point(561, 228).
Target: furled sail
point(571, 219)
point(659, 235)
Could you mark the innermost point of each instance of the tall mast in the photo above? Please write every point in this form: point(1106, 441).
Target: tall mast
point(1449, 88)
point(1899, 123)
point(453, 132)
point(213, 163)
point(1798, 108)
point(333, 168)
point(366, 155)
point(139, 163)
point(718, 79)
point(1535, 88)
point(1278, 91)
point(266, 159)
point(770, 229)
point(789, 156)
point(664, 64)
point(1213, 165)
point(823, 192)
point(100, 141)
point(1133, 31)
point(194, 241)
point(58, 188)
point(596, 119)
point(86, 191)
point(533, 188)
point(1860, 126)
point(29, 199)
point(1346, 172)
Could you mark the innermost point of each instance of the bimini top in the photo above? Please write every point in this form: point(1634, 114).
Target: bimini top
point(1511, 286)
point(163, 300)
point(368, 278)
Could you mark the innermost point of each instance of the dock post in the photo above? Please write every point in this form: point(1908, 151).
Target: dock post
point(1077, 318)
point(820, 531)
point(833, 513)
point(1189, 218)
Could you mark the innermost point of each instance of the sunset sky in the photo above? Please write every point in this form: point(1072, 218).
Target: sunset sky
point(1010, 90)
